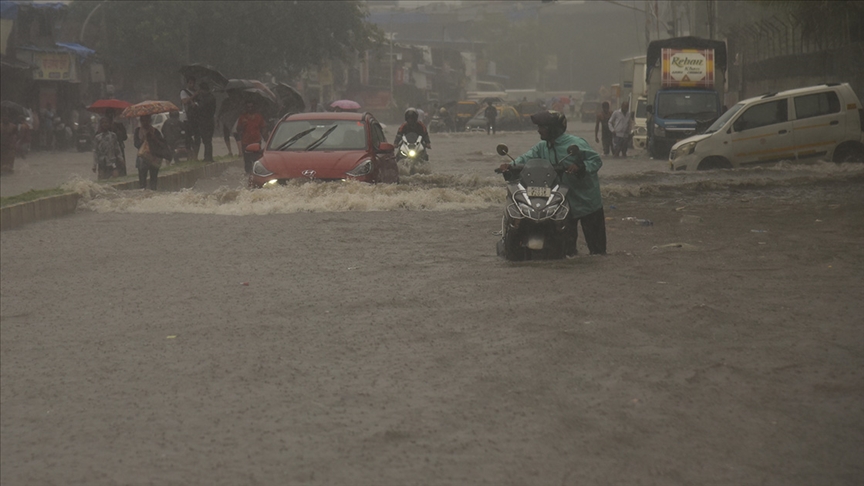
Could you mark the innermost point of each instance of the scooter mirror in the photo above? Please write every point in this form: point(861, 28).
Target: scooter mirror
point(502, 149)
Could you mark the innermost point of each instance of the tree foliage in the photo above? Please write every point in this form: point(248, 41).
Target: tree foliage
point(514, 47)
point(243, 39)
point(823, 20)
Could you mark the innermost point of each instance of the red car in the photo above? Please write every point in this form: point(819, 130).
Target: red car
point(325, 146)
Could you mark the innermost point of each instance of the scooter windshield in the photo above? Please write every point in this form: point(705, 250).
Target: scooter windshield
point(538, 172)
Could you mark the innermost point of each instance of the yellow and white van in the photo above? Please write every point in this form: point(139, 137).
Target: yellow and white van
point(824, 122)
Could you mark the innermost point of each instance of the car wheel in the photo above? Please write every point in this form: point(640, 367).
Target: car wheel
point(712, 163)
point(849, 153)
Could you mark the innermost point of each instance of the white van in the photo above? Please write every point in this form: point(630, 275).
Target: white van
point(820, 122)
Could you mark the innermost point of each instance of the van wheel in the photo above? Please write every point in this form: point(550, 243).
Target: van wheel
point(712, 163)
point(849, 153)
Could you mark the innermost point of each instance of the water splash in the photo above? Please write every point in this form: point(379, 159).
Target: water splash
point(454, 192)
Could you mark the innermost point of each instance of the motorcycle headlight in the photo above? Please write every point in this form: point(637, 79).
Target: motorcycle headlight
point(363, 168)
point(259, 170)
point(412, 153)
point(682, 150)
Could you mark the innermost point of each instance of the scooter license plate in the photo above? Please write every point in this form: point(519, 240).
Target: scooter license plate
point(535, 191)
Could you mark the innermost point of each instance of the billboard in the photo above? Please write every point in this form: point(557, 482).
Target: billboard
point(687, 68)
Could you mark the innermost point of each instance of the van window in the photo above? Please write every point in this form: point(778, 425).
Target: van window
point(640, 108)
point(816, 104)
point(762, 115)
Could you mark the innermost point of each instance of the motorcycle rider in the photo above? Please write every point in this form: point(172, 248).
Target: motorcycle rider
point(413, 125)
point(580, 177)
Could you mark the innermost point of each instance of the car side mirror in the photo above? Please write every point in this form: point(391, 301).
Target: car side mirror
point(386, 147)
point(502, 149)
point(253, 147)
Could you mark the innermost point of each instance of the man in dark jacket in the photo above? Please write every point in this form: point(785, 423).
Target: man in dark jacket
point(205, 121)
point(491, 114)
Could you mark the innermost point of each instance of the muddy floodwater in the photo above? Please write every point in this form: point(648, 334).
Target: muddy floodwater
point(350, 334)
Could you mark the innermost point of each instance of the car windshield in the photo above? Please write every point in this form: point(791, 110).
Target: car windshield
point(345, 135)
point(640, 108)
point(465, 109)
point(687, 105)
point(717, 125)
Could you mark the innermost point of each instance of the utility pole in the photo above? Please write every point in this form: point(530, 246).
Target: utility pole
point(711, 15)
point(390, 37)
point(647, 24)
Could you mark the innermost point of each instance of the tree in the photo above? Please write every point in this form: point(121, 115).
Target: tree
point(244, 39)
point(514, 47)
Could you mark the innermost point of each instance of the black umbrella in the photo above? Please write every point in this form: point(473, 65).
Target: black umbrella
point(238, 84)
point(292, 100)
point(202, 71)
point(13, 110)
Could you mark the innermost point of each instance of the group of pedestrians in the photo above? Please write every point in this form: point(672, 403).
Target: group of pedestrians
point(616, 127)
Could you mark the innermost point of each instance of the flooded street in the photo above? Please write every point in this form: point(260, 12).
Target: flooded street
point(340, 333)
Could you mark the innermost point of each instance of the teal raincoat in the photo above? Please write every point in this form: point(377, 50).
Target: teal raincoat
point(584, 193)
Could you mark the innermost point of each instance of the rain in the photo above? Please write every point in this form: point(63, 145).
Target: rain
point(367, 327)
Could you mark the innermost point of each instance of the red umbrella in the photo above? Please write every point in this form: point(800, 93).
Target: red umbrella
point(101, 106)
point(148, 108)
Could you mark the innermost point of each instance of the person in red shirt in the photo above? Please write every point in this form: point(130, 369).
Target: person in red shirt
point(250, 129)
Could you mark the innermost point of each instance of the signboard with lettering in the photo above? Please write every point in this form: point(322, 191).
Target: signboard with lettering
point(52, 66)
point(687, 68)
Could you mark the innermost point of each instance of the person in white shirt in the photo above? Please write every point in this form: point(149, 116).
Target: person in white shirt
point(619, 123)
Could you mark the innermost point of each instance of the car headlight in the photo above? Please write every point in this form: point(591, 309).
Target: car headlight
point(259, 170)
point(659, 131)
point(363, 168)
point(683, 149)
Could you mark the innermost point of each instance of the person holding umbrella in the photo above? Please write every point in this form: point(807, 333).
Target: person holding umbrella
point(107, 156)
point(110, 108)
point(152, 148)
point(151, 145)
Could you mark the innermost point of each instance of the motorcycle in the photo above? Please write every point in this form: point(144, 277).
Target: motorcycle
point(412, 155)
point(535, 224)
point(438, 124)
point(84, 135)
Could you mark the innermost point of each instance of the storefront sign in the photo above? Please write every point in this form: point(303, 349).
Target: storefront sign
point(52, 66)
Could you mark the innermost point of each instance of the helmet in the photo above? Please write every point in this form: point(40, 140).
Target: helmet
point(555, 121)
point(411, 114)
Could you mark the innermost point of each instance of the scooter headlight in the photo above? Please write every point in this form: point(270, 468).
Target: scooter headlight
point(412, 153)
